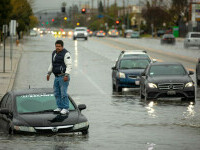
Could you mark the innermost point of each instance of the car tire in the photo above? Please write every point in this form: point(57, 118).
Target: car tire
point(86, 38)
point(198, 82)
point(114, 87)
point(74, 38)
point(119, 89)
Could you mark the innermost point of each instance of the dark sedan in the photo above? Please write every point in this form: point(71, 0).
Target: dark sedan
point(126, 72)
point(168, 39)
point(31, 111)
point(171, 80)
point(198, 72)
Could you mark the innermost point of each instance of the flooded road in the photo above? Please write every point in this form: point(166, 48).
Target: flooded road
point(117, 120)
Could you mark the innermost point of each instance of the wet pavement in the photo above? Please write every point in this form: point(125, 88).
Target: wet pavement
point(117, 120)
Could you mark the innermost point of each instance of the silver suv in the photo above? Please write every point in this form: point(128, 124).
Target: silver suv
point(80, 32)
point(192, 39)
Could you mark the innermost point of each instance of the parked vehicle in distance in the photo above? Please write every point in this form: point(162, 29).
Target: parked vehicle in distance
point(168, 39)
point(127, 33)
point(198, 72)
point(126, 72)
point(113, 33)
point(31, 111)
point(167, 80)
point(33, 33)
point(192, 40)
point(135, 34)
point(160, 33)
point(101, 33)
point(80, 32)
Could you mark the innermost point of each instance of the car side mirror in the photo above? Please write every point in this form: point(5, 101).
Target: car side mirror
point(81, 107)
point(191, 72)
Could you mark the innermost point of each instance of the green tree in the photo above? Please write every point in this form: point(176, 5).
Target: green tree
point(179, 10)
point(155, 14)
point(5, 9)
point(22, 13)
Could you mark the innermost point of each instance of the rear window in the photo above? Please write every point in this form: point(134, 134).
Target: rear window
point(37, 102)
point(195, 35)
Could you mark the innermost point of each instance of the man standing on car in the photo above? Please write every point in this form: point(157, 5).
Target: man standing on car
point(60, 65)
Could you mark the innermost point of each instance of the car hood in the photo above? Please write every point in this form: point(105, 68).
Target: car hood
point(170, 79)
point(132, 71)
point(47, 119)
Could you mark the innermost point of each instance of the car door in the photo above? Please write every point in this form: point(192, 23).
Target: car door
point(5, 120)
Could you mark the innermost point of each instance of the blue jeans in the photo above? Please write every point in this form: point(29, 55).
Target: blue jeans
point(60, 92)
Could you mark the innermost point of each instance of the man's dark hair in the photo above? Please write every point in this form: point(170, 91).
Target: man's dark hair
point(59, 42)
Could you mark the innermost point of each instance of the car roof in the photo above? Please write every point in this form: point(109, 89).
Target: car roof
point(134, 52)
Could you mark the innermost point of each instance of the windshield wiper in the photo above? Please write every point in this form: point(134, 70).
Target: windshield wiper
point(48, 110)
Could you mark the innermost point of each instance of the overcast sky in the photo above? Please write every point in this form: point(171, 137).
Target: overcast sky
point(56, 4)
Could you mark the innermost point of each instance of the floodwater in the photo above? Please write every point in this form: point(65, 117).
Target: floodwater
point(117, 120)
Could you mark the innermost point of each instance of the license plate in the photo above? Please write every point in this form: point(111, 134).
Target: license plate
point(171, 92)
point(137, 82)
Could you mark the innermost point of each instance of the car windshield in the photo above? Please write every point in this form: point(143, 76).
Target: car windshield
point(134, 63)
point(32, 103)
point(80, 29)
point(159, 70)
point(195, 35)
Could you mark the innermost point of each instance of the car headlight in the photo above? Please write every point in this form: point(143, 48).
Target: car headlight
point(152, 85)
point(189, 84)
point(86, 34)
point(24, 128)
point(80, 125)
point(75, 33)
point(122, 75)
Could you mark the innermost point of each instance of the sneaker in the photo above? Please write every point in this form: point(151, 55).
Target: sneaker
point(57, 110)
point(64, 111)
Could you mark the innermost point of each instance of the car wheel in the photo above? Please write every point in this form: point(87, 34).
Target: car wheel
point(114, 87)
point(74, 38)
point(86, 38)
point(84, 132)
point(119, 89)
point(198, 82)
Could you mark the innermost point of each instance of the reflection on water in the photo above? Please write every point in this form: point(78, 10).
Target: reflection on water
point(190, 111)
point(151, 110)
